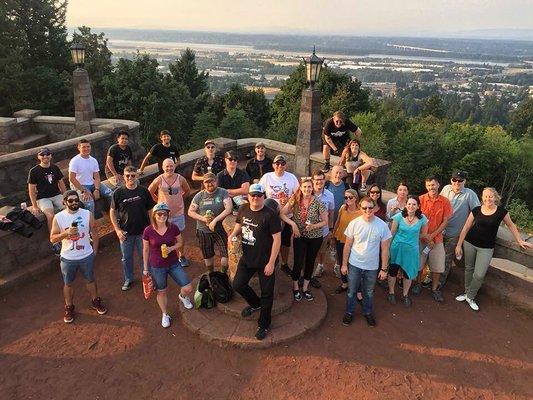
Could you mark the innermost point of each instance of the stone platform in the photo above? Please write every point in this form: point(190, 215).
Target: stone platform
point(224, 326)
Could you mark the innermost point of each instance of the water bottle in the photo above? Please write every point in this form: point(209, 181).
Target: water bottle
point(426, 250)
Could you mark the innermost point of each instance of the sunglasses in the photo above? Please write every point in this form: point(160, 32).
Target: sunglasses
point(375, 192)
point(130, 175)
point(458, 180)
point(70, 201)
point(161, 213)
point(282, 163)
point(232, 159)
point(349, 197)
point(367, 208)
point(45, 154)
point(256, 195)
point(210, 147)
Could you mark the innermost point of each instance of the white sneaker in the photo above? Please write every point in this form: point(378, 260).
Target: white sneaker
point(186, 302)
point(461, 297)
point(319, 270)
point(473, 305)
point(165, 321)
point(337, 271)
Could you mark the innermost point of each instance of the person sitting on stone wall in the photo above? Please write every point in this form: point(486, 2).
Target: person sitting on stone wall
point(162, 151)
point(335, 135)
point(119, 156)
point(46, 186)
point(233, 179)
point(211, 162)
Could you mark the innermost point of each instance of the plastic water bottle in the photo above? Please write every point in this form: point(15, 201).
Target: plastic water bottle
point(426, 250)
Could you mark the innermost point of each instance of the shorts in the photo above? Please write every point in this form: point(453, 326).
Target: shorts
point(69, 268)
point(286, 235)
point(51, 203)
point(208, 241)
point(179, 221)
point(340, 144)
point(176, 272)
point(435, 259)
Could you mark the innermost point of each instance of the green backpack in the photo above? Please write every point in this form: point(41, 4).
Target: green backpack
point(203, 297)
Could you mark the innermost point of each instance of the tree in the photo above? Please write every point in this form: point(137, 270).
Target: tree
point(236, 125)
point(184, 71)
point(252, 102)
point(433, 106)
point(521, 119)
point(205, 127)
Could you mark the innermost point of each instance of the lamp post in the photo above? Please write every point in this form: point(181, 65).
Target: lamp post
point(308, 139)
point(83, 97)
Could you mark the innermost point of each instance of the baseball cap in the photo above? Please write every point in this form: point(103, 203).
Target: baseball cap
point(44, 150)
point(209, 141)
point(260, 144)
point(458, 174)
point(209, 177)
point(161, 207)
point(256, 188)
point(279, 157)
point(231, 154)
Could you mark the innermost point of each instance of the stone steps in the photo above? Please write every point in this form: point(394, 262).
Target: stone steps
point(28, 142)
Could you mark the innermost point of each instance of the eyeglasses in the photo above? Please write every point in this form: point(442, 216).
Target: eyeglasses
point(161, 213)
point(318, 179)
point(256, 195)
point(458, 180)
point(232, 159)
point(367, 208)
point(45, 154)
point(130, 175)
point(70, 201)
point(260, 148)
point(282, 163)
point(375, 192)
point(210, 147)
point(349, 197)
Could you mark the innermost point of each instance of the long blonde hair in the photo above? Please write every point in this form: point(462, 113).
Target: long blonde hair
point(497, 197)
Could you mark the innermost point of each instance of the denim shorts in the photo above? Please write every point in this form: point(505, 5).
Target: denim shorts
point(69, 268)
point(176, 272)
point(179, 221)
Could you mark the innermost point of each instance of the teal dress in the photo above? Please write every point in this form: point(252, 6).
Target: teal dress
point(404, 249)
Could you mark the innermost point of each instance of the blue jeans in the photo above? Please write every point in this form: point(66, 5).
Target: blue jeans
point(104, 192)
point(127, 247)
point(356, 278)
point(176, 272)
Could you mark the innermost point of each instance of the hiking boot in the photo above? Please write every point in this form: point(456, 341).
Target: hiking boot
point(337, 271)
point(285, 268)
point(98, 305)
point(261, 333)
point(315, 283)
point(297, 295)
point(370, 320)
point(248, 311)
point(437, 296)
point(340, 289)
point(347, 319)
point(69, 314)
point(391, 298)
point(308, 295)
point(186, 301)
point(126, 285)
point(417, 289)
point(327, 166)
point(184, 261)
point(407, 301)
point(165, 320)
point(473, 305)
point(319, 270)
point(461, 297)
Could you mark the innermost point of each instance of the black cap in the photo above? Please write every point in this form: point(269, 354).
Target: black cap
point(44, 150)
point(231, 154)
point(458, 174)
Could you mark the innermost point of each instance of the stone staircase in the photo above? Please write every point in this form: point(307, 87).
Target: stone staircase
point(27, 142)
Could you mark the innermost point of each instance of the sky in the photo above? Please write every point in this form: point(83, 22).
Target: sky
point(356, 17)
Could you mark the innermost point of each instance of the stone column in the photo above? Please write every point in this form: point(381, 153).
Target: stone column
point(308, 140)
point(83, 101)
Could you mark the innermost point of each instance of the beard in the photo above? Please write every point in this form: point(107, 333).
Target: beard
point(73, 206)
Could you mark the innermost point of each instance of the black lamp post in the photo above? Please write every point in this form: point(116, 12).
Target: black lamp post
point(313, 66)
point(78, 54)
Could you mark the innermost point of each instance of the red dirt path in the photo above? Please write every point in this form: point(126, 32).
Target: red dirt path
point(430, 351)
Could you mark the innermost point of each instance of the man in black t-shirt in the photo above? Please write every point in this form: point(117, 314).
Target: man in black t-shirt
point(162, 151)
point(260, 164)
point(260, 229)
point(119, 156)
point(233, 179)
point(335, 136)
point(46, 186)
point(129, 215)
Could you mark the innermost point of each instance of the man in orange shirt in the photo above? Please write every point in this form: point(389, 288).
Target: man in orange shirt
point(438, 211)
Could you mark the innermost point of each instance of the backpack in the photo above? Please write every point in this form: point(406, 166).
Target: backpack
point(203, 297)
point(221, 286)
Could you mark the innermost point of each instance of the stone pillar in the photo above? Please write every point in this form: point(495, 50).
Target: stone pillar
point(308, 140)
point(83, 101)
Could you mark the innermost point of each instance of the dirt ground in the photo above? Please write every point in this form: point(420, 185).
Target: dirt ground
point(430, 351)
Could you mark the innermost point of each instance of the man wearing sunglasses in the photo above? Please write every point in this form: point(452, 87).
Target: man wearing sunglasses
point(74, 228)
point(260, 164)
point(45, 186)
point(129, 214)
point(463, 201)
point(233, 179)
point(210, 163)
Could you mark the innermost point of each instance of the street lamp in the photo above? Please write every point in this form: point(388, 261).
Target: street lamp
point(313, 65)
point(78, 54)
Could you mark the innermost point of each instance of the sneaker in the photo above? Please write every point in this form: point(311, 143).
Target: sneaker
point(315, 283)
point(327, 166)
point(56, 248)
point(98, 305)
point(407, 301)
point(461, 297)
point(473, 305)
point(261, 333)
point(184, 261)
point(319, 270)
point(126, 285)
point(285, 268)
point(417, 289)
point(308, 295)
point(186, 301)
point(165, 320)
point(391, 298)
point(297, 295)
point(249, 310)
point(69, 314)
point(347, 319)
point(437, 296)
point(337, 271)
point(362, 188)
point(370, 320)
point(340, 289)
point(427, 282)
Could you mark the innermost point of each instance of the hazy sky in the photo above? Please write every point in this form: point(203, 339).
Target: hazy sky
point(364, 17)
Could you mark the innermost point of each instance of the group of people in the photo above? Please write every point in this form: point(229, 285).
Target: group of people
point(275, 211)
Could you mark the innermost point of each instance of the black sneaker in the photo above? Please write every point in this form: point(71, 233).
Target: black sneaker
point(347, 319)
point(285, 268)
point(297, 295)
point(261, 333)
point(391, 298)
point(370, 320)
point(417, 289)
point(327, 166)
point(407, 301)
point(437, 296)
point(315, 283)
point(308, 295)
point(249, 310)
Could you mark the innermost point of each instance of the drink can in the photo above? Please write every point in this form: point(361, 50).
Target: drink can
point(164, 251)
point(23, 205)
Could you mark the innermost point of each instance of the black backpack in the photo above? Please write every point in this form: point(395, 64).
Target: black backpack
point(221, 286)
point(204, 298)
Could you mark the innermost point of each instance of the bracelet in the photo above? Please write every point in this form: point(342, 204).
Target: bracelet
point(384, 270)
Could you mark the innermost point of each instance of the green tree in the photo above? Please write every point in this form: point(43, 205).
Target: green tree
point(184, 71)
point(521, 119)
point(205, 127)
point(433, 106)
point(252, 102)
point(236, 125)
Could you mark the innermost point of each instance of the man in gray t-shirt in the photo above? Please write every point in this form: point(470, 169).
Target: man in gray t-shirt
point(463, 201)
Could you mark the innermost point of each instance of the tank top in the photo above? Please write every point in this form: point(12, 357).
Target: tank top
point(485, 227)
point(170, 192)
point(79, 247)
